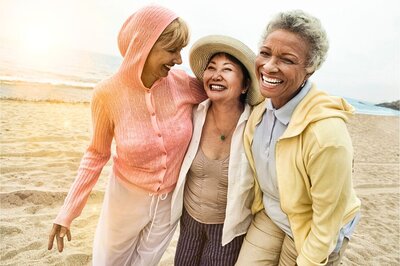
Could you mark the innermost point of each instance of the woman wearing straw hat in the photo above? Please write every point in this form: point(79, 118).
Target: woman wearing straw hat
point(214, 185)
point(146, 108)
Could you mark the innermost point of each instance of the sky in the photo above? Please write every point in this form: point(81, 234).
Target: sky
point(363, 60)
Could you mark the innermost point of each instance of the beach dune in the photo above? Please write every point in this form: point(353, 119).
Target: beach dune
point(41, 147)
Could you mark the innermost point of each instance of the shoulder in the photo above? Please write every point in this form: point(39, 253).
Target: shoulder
point(186, 85)
point(107, 89)
point(181, 76)
point(105, 86)
point(178, 75)
point(104, 94)
point(329, 132)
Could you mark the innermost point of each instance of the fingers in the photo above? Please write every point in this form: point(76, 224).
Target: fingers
point(60, 242)
point(58, 232)
point(64, 231)
point(69, 235)
point(53, 233)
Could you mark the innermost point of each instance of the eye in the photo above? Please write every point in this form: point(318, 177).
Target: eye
point(227, 69)
point(209, 67)
point(264, 53)
point(287, 61)
point(173, 50)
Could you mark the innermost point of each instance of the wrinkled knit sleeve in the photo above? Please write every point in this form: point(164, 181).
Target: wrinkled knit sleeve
point(198, 92)
point(93, 161)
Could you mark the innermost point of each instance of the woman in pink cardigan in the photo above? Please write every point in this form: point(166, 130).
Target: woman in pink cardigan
point(146, 107)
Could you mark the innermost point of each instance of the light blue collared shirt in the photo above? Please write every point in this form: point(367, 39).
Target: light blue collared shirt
point(267, 133)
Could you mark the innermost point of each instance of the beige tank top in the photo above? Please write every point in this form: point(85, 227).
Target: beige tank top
point(206, 189)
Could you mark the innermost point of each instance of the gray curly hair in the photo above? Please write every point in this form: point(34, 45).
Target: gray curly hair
point(307, 27)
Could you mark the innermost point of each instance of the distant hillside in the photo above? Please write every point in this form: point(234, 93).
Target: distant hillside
point(392, 105)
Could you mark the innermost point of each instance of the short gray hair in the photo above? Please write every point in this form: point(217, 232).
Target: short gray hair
point(309, 28)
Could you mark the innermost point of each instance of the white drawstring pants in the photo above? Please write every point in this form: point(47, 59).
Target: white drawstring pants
point(134, 227)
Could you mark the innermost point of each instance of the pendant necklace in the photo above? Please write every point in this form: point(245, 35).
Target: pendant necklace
point(222, 136)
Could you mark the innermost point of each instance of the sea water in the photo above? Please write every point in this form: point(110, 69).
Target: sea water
point(70, 76)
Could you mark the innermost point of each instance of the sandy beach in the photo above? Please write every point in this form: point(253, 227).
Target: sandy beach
point(41, 147)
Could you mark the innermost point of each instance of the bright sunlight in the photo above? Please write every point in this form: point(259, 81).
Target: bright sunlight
point(38, 39)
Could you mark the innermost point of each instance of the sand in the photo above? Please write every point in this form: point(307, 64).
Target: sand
point(42, 144)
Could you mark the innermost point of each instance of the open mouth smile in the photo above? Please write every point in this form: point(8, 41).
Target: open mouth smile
point(215, 87)
point(271, 81)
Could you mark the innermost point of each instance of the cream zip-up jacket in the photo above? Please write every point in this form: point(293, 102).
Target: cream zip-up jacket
point(314, 168)
point(240, 179)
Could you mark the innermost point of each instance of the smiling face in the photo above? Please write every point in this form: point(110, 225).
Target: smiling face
point(159, 62)
point(223, 79)
point(281, 66)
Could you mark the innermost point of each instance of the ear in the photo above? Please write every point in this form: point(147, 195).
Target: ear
point(248, 84)
point(308, 75)
point(309, 71)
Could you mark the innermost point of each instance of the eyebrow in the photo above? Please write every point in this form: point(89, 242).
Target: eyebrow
point(226, 63)
point(289, 54)
point(281, 54)
point(269, 49)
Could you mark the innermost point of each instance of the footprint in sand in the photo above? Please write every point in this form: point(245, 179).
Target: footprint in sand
point(78, 259)
point(6, 230)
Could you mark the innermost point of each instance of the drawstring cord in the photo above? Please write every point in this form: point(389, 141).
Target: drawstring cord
point(159, 197)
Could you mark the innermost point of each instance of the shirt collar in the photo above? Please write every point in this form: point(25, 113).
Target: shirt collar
point(204, 105)
point(284, 113)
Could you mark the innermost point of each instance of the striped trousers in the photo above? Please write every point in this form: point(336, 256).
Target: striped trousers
point(200, 244)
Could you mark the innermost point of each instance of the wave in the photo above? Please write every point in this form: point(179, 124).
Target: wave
point(15, 80)
point(55, 101)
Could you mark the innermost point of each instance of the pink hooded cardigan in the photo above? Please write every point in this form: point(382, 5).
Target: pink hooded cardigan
point(151, 127)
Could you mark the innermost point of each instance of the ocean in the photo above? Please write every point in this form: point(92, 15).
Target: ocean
point(69, 76)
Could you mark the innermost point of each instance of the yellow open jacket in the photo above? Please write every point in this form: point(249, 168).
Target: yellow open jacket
point(314, 168)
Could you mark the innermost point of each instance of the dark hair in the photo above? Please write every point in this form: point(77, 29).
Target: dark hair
point(246, 75)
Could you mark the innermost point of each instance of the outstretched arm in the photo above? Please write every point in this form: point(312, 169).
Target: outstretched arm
point(93, 161)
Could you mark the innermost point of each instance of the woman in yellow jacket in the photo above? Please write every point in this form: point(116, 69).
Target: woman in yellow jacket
point(300, 152)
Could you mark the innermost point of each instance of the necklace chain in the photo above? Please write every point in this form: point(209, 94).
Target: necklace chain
point(222, 136)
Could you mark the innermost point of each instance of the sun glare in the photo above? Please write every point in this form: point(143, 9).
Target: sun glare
point(37, 40)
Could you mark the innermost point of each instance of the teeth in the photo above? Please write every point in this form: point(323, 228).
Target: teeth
point(217, 87)
point(271, 80)
point(168, 66)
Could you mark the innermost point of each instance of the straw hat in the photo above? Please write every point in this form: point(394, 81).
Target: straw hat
point(204, 48)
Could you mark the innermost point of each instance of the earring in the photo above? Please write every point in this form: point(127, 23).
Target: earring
point(243, 92)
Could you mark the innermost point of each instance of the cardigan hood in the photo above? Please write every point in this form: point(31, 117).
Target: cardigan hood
point(137, 37)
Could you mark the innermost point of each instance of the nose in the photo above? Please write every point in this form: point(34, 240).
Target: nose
point(271, 65)
point(178, 58)
point(216, 75)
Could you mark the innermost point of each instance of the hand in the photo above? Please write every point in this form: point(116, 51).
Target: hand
point(58, 231)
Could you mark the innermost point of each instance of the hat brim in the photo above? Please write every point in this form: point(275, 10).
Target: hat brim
point(204, 48)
